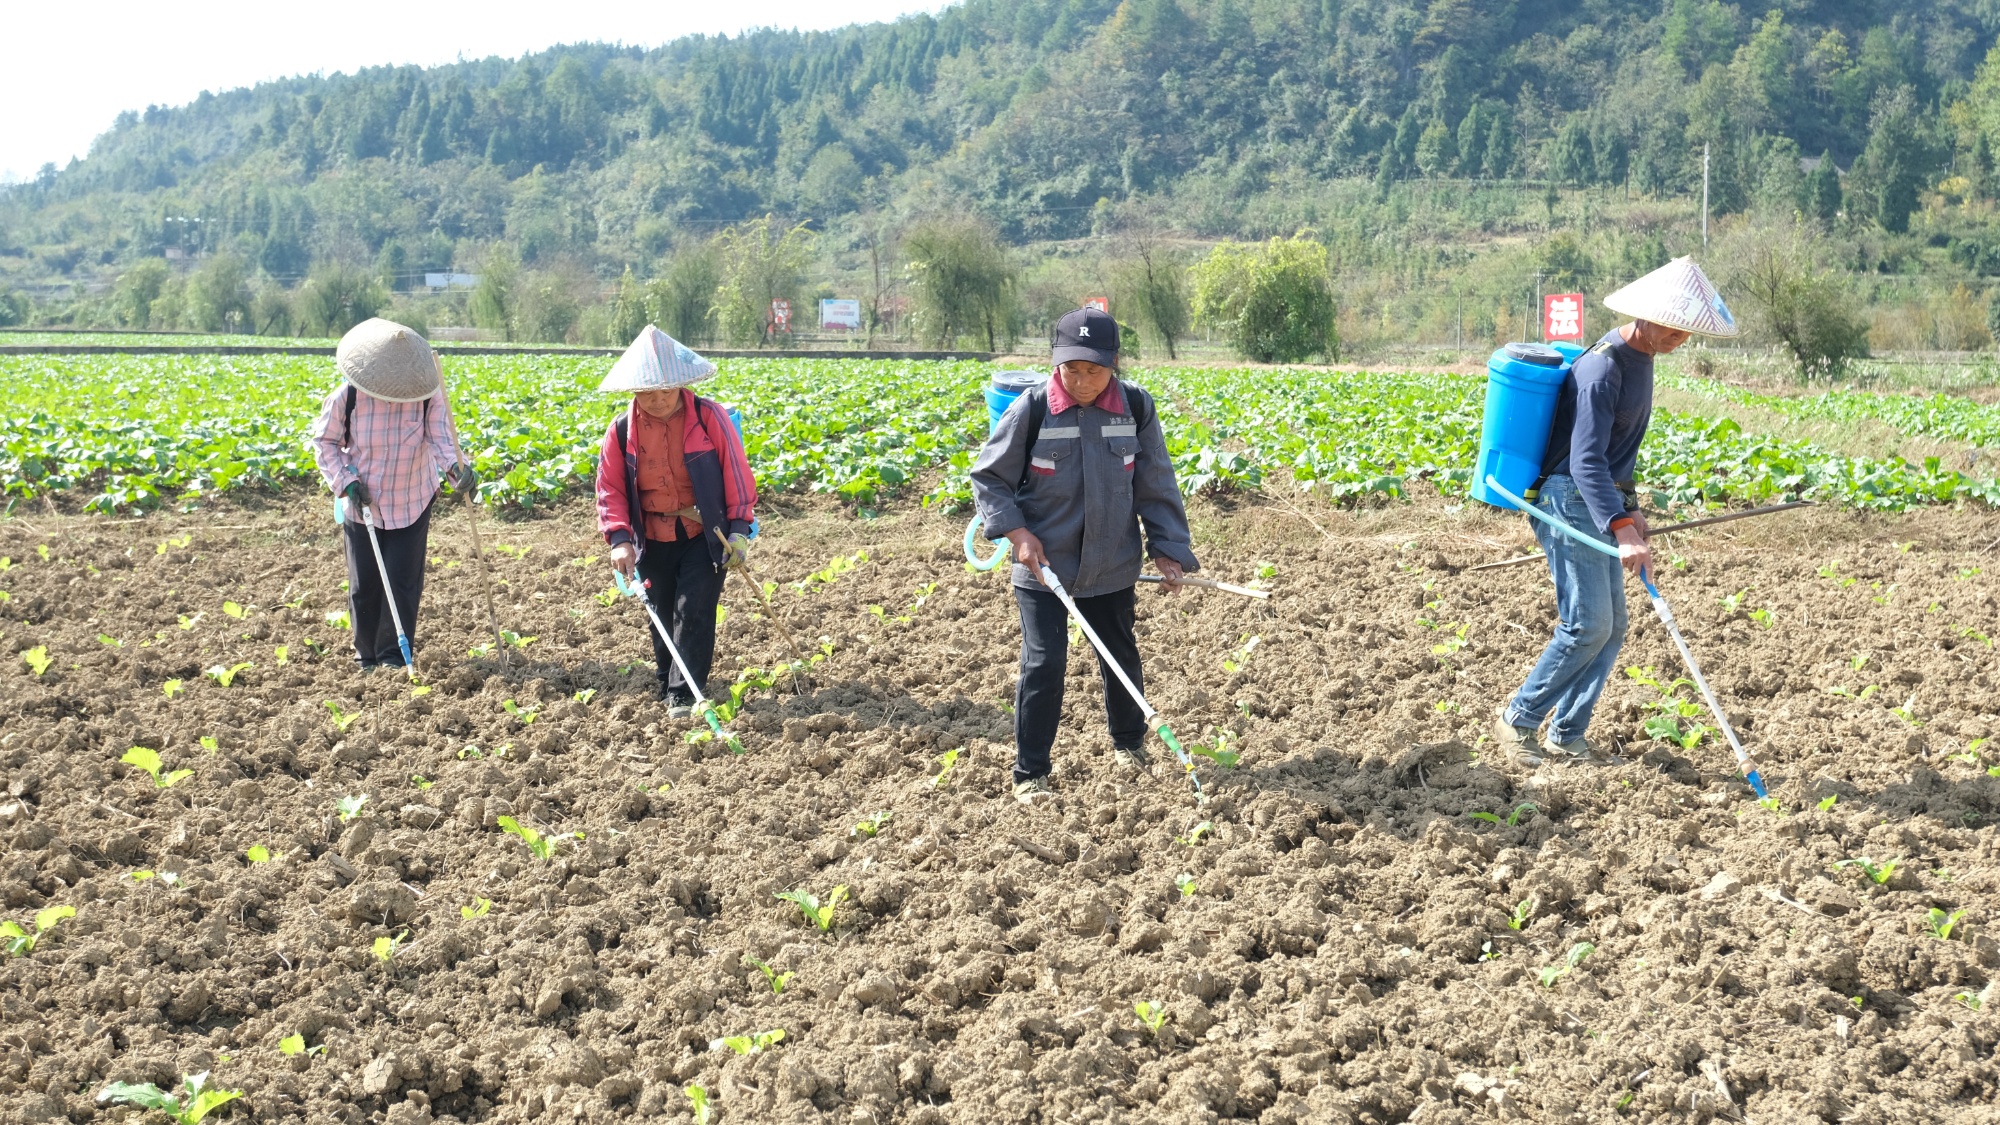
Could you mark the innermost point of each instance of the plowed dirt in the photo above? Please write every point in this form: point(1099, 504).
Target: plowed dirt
point(1345, 953)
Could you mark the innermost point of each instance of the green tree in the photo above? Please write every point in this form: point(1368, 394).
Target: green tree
point(962, 281)
point(218, 298)
point(1571, 159)
point(492, 304)
point(1794, 301)
point(759, 262)
point(1899, 161)
point(1822, 192)
point(682, 302)
point(271, 311)
point(1273, 301)
point(1152, 283)
point(1499, 158)
point(13, 308)
point(628, 310)
point(137, 289)
point(547, 305)
point(1437, 153)
point(337, 297)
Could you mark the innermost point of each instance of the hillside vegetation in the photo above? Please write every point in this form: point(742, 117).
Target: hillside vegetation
point(1417, 140)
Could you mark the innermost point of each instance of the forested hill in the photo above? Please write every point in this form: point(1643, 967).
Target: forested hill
point(1027, 113)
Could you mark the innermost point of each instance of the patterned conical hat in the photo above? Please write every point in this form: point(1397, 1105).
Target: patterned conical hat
point(656, 362)
point(389, 361)
point(1677, 295)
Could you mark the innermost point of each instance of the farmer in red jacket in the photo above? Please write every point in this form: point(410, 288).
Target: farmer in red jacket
point(671, 475)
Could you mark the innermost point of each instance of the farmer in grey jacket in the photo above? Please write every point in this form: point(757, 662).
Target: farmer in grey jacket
point(1069, 475)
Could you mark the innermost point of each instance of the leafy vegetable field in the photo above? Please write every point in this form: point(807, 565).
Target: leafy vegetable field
point(125, 433)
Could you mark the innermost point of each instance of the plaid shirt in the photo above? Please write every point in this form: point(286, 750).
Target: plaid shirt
point(394, 450)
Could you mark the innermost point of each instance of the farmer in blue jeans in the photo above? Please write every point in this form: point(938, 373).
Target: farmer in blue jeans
point(1587, 482)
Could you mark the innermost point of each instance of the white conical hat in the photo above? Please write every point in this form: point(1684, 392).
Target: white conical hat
point(656, 362)
point(1677, 295)
point(389, 361)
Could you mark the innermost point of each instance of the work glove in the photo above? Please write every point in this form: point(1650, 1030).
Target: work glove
point(463, 480)
point(357, 493)
point(736, 551)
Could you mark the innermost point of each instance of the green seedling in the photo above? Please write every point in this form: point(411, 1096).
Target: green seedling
point(350, 807)
point(947, 762)
point(171, 542)
point(193, 1102)
point(1185, 881)
point(211, 744)
point(258, 853)
point(1908, 711)
point(172, 688)
point(809, 905)
point(542, 846)
point(42, 551)
point(420, 781)
point(1445, 707)
point(1193, 838)
point(1513, 818)
point(109, 640)
point(18, 942)
point(295, 1044)
point(1266, 570)
point(187, 623)
point(512, 551)
point(386, 948)
point(1885, 596)
point(341, 719)
point(471, 752)
point(1524, 910)
point(337, 618)
point(585, 695)
point(234, 609)
point(1452, 642)
point(607, 598)
point(1966, 572)
point(873, 826)
point(1733, 602)
point(1218, 752)
point(1552, 973)
point(751, 1044)
point(418, 691)
point(516, 639)
point(1878, 873)
point(1669, 730)
point(1236, 661)
point(772, 977)
point(1855, 662)
point(697, 1096)
point(480, 908)
point(1152, 1014)
point(1827, 802)
point(1771, 805)
point(1970, 1000)
point(147, 759)
point(1763, 617)
point(1487, 952)
point(522, 715)
point(479, 650)
point(38, 659)
point(1939, 924)
point(1972, 634)
point(227, 675)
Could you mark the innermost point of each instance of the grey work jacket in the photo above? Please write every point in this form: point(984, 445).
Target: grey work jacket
point(1091, 480)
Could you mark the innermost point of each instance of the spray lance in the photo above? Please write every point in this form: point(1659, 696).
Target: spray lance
point(702, 705)
point(1666, 616)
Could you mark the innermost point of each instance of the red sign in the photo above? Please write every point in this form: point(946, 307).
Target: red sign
point(1101, 304)
point(1562, 316)
point(781, 315)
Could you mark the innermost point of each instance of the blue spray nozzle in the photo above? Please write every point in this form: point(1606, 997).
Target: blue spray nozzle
point(624, 587)
point(1757, 784)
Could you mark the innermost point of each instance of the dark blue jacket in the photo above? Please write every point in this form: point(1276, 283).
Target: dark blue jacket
point(1601, 417)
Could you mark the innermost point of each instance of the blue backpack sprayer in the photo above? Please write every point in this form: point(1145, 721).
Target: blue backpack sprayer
point(1000, 394)
point(1522, 385)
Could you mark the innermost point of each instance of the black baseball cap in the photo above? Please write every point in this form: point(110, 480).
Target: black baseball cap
point(1088, 334)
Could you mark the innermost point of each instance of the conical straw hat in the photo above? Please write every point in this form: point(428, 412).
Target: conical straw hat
point(1677, 295)
point(389, 361)
point(656, 362)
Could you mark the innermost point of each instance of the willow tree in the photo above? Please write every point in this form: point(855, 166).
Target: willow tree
point(758, 262)
point(962, 281)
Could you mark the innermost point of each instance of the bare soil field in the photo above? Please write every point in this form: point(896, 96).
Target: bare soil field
point(1352, 945)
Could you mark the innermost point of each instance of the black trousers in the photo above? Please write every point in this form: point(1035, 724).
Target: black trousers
point(683, 585)
point(403, 557)
point(1038, 699)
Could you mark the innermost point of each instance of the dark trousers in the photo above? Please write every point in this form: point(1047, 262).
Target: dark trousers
point(403, 557)
point(1038, 700)
point(683, 584)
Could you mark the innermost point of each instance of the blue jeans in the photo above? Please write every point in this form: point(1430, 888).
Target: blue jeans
point(1590, 600)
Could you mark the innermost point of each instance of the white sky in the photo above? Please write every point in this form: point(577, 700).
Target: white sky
point(72, 67)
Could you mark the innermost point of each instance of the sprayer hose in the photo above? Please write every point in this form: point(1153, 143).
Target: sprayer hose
point(972, 548)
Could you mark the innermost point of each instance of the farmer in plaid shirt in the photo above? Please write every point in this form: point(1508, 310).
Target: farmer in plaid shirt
point(382, 439)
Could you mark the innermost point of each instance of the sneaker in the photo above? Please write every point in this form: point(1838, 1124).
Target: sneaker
point(1581, 752)
point(1026, 791)
point(1517, 742)
point(1131, 757)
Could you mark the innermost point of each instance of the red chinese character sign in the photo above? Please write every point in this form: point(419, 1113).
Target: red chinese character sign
point(1101, 304)
point(1562, 316)
point(781, 316)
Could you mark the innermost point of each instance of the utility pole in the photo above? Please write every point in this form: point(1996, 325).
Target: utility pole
point(1704, 197)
